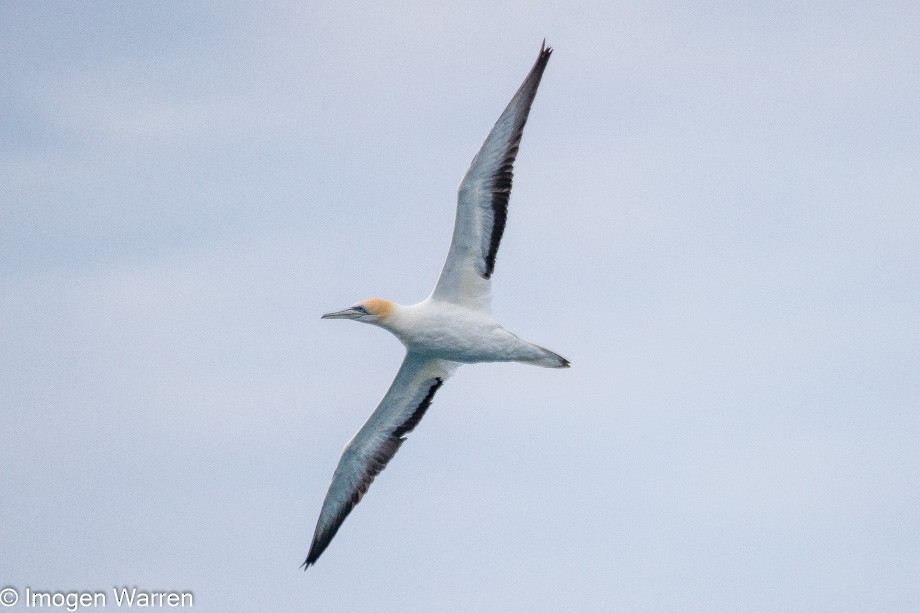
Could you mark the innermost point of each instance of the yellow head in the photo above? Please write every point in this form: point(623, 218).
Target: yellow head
point(372, 310)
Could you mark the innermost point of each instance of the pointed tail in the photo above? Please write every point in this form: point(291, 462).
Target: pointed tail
point(549, 359)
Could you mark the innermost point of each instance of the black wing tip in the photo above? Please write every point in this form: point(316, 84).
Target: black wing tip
point(316, 550)
point(542, 59)
point(312, 557)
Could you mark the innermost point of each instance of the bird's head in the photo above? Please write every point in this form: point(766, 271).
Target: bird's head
point(370, 311)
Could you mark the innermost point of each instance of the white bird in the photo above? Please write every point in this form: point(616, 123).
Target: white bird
point(452, 326)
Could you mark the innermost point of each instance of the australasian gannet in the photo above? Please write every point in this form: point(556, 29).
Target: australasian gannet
point(452, 326)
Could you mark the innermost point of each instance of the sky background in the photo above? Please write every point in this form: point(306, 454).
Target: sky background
point(715, 217)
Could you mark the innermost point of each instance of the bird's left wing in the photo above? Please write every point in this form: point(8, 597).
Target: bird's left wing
point(482, 202)
point(377, 441)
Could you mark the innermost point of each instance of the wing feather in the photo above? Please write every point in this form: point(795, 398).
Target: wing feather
point(482, 202)
point(378, 440)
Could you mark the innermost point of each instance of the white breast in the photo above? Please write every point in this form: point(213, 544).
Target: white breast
point(455, 333)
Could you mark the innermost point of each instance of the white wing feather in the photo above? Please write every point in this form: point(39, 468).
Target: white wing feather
point(482, 203)
point(377, 442)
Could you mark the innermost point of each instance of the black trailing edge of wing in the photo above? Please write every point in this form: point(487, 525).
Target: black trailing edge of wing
point(502, 179)
point(376, 463)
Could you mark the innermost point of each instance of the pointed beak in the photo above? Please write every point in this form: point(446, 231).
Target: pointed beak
point(349, 313)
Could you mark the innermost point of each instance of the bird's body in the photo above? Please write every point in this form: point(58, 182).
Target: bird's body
point(451, 327)
point(455, 333)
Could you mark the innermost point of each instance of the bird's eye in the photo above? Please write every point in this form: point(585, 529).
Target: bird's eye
point(360, 308)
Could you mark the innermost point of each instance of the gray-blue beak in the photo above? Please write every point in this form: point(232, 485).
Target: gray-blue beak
point(349, 313)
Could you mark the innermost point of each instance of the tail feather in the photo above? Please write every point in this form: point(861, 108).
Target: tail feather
point(549, 359)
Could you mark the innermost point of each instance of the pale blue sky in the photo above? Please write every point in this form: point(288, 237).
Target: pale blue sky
point(715, 218)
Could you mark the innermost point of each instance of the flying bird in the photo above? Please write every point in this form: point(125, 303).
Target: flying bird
point(453, 326)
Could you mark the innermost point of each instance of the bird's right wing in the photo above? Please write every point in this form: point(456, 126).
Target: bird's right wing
point(482, 202)
point(377, 441)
